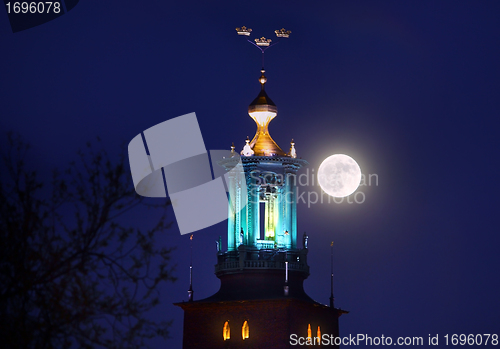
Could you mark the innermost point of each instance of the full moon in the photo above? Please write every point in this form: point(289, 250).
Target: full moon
point(339, 175)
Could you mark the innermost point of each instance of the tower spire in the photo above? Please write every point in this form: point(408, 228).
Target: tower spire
point(262, 110)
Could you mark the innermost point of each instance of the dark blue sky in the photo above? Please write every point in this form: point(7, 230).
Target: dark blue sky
point(408, 89)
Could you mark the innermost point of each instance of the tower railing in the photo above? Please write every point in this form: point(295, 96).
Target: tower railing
point(249, 264)
point(263, 259)
point(266, 244)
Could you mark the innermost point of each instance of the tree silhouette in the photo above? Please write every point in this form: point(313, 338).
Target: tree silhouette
point(74, 269)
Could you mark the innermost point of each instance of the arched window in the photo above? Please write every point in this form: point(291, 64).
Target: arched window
point(318, 334)
point(226, 332)
point(309, 331)
point(245, 330)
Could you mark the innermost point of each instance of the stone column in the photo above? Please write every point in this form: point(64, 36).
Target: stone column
point(231, 214)
point(253, 226)
point(287, 197)
point(293, 208)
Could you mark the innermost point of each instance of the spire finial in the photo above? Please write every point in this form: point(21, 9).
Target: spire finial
point(263, 43)
point(262, 78)
point(262, 109)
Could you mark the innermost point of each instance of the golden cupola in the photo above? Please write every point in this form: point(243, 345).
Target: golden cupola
point(262, 110)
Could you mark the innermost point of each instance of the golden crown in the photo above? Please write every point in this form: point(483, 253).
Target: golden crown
point(282, 33)
point(243, 31)
point(263, 41)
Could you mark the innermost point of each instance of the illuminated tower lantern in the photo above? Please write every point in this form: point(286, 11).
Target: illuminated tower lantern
point(261, 302)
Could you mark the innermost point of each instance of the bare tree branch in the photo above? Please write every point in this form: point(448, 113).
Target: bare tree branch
point(74, 270)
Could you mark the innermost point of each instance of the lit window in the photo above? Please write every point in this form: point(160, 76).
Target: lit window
point(318, 334)
point(226, 332)
point(309, 331)
point(245, 330)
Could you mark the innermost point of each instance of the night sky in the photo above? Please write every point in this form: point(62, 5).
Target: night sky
point(408, 89)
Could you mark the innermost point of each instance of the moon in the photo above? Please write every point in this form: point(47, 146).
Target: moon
point(339, 175)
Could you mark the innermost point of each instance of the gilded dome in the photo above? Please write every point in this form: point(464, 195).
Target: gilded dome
point(262, 110)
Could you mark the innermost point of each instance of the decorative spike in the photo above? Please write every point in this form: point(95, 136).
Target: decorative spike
point(286, 288)
point(190, 291)
point(331, 281)
point(293, 152)
point(247, 150)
